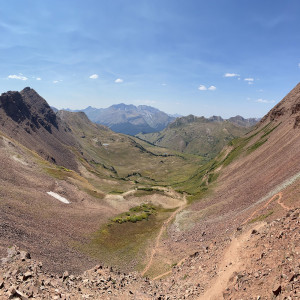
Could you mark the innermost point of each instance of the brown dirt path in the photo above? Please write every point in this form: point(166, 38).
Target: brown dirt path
point(232, 259)
point(164, 226)
point(169, 272)
point(231, 263)
point(279, 195)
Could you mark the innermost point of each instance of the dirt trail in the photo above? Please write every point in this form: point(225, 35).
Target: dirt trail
point(164, 226)
point(232, 260)
point(279, 195)
point(282, 204)
point(231, 263)
point(169, 272)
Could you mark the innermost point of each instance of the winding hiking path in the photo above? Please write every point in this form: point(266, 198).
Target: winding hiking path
point(232, 261)
point(279, 195)
point(164, 226)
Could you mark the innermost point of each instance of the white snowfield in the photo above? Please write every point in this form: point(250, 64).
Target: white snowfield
point(58, 197)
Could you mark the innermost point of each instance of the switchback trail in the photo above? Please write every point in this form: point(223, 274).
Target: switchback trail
point(279, 195)
point(164, 226)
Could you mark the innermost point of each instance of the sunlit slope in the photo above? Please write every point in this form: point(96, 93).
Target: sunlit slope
point(196, 135)
point(126, 159)
point(250, 167)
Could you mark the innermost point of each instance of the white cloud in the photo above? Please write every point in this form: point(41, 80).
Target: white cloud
point(264, 101)
point(202, 87)
point(298, 65)
point(163, 84)
point(38, 78)
point(231, 75)
point(119, 80)
point(249, 80)
point(20, 77)
point(94, 76)
point(55, 81)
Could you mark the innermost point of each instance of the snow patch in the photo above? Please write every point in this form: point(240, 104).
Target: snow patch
point(58, 197)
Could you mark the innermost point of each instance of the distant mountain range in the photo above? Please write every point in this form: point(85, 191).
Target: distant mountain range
point(200, 135)
point(143, 119)
point(129, 119)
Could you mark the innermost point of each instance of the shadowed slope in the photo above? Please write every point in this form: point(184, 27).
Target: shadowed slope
point(27, 118)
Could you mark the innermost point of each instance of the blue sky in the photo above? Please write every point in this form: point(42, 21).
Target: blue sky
point(224, 57)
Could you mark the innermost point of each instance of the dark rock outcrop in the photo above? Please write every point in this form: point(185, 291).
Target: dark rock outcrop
point(26, 117)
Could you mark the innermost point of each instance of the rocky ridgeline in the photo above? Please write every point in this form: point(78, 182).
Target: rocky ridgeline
point(271, 269)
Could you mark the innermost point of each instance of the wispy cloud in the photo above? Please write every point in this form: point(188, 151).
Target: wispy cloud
point(204, 88)
point(38, 78)
point(119, 80)
point(56, 81)
point(298, 65)
point(163, 84)
point(20, 77)
point(231, 75)
point(94, 76)
point(264, 101)
point(249, 80)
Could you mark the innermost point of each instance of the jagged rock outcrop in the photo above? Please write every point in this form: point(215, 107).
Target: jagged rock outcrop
point(26, 117)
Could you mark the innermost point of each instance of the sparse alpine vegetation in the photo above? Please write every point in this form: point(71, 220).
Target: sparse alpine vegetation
point(136, 214)
point(198, 135)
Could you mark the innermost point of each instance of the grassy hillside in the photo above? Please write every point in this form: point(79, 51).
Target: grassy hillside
point(126, 161)
point(195, 135)
point(202, 182)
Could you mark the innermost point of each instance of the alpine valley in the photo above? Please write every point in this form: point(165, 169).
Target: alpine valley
point(180, 208)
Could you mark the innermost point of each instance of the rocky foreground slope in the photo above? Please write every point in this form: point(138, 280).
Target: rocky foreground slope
point(269, 254)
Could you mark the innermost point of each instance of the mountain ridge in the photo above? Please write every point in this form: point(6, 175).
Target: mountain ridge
point(129, 119)
point(28, 118)
point(199, 135)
